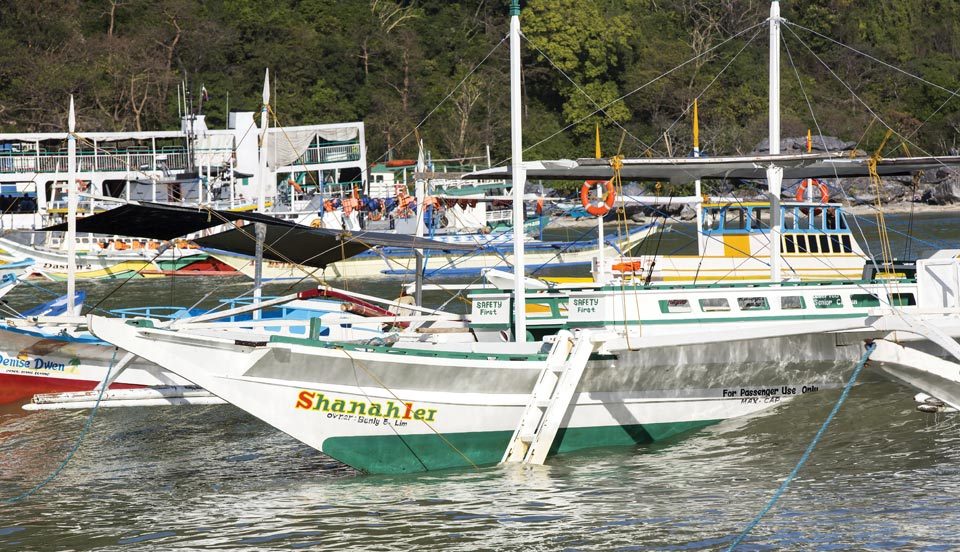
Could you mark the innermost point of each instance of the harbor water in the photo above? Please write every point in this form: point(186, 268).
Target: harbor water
point(884, 477)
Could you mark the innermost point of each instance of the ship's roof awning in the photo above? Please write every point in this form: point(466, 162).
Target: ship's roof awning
point(685, 169)
point(285, 241)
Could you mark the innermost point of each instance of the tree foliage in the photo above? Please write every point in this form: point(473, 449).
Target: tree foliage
point(413, 68)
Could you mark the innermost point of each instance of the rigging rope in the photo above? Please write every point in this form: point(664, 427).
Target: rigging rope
point(76, 446)
point(809, 450)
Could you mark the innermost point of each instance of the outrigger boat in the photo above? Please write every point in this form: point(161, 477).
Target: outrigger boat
point(117, 259)
point(44, 351)
point(616, 362)
point(488, 251)
point(49, 350)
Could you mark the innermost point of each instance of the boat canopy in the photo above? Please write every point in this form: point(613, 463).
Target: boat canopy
point(685, 169)
point(285, 241)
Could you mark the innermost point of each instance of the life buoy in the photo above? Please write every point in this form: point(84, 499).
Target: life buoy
point(328, 206)
point(295, 185)
point(608, 198)
point(802, 189)
point(374, 216)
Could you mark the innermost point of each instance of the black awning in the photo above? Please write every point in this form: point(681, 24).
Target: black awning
point(157, 221)
point(315, 247)
point(284, 240)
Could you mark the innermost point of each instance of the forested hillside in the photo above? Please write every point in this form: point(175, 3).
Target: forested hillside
point(392, 63)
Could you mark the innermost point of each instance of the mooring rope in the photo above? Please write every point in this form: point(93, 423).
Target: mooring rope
point(76, 446)
point(806, 454)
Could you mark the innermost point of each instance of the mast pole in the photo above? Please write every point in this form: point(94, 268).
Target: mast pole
point(601, 261)
point(519, 177)
point(420, 191)
point(71, 211)
point(697, 185)
point(774, 173)
point(259, 228)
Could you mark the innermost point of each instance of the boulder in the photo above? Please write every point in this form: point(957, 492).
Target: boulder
point(799, 145)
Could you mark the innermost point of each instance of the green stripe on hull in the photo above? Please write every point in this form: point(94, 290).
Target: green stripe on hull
point(177, 264)
point(388, 454)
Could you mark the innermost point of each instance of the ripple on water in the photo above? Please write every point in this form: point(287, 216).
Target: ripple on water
point(884, 477)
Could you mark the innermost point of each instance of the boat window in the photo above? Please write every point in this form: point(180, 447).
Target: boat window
point(675, 305)
point(845, 240)
point(813, 244)
point(827, 301)
point(831, 219)
point(865, 300)
point(824, 243)
point(902, 299)
point(714, 304)
point(792, 302)
point(760, 218)
point(801, 243)
point(803, 221)
point(787, 218)
point(842, 219)
point(734, 219)
point(711, 219)
point(753, 303)
point(835, 243)
point(789, 244)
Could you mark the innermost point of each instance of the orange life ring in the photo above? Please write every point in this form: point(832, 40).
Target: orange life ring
point(802, 189)
point(295, 185)
point(374, 216)
point(608, 199)
point(328, 206)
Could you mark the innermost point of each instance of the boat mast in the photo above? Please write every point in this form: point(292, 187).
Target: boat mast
point(260, 229)
point(71, 211)
point(697, 186)
point(420, 191)
point(519, 177)
point(774, 173)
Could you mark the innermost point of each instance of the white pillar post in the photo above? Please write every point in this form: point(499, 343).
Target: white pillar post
point(774, 174)
point(519, 178)
point(71, 211)
point(259, 229)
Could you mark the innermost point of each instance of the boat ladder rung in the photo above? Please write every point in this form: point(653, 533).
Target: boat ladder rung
point(551, 399)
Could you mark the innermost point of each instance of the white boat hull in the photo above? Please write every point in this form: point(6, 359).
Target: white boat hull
point(422, 411)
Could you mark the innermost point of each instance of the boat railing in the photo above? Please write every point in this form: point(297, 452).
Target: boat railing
point(143, 158)
point(315, 155)
point(155, 312)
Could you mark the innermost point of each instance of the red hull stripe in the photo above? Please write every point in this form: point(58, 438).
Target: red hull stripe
point(15, 387)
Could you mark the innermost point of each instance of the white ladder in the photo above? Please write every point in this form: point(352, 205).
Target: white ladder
point(551, 398)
